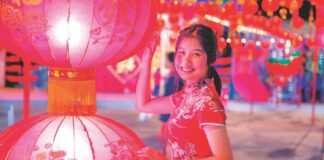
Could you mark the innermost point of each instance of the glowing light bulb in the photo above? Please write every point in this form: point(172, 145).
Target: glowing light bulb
point(68, 33)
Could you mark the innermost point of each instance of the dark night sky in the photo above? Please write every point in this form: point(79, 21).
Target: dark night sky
point(303, 11)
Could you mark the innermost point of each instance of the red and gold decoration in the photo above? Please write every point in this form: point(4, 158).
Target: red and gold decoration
point(73, 38)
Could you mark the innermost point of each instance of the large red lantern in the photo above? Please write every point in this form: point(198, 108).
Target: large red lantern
point(73, 37)
point(50, 136)
point(76, 34)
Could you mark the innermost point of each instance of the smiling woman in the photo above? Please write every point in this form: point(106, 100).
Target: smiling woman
point(196, 128)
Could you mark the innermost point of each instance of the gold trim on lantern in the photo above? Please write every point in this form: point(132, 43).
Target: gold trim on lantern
point(71, 91)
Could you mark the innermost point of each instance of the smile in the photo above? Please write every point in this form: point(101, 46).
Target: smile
point(184, 69)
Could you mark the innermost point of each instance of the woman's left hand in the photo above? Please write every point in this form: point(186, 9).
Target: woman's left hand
point(149, 153)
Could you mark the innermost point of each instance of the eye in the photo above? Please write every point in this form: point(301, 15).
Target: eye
point(196, 54)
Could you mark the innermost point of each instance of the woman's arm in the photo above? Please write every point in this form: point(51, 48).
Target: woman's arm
point(219, 143)
point(144, 102)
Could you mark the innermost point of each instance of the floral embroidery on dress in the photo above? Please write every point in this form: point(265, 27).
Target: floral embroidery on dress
point(190, 103)
point(189, 151)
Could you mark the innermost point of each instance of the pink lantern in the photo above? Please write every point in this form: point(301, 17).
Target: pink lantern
point(73, 37)
point(77, 34)
point(49, 136)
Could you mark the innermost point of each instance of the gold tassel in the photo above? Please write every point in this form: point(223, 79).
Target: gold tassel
point(72, 91)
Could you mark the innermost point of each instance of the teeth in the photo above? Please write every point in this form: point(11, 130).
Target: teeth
point(187, 69)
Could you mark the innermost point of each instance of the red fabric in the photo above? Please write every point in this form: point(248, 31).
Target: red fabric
point(49, 136)
point(77, 34)
point(196, 105)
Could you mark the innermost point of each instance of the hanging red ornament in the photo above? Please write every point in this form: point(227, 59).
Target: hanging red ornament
point(276, 21)
point(280, 45)
point(174, 18)
point(296, 22)
point(162, 7)
point(270, 6)
point(202, 8)
point(77, 34)
point(175, 7)
point(294, 5)
point(283, 13)
point(310, 42)
point(230, 8)
point(250, 7)
point(50, 136)
point(189, 11)
point(265, 44)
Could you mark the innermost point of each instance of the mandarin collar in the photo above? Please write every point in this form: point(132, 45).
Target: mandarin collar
point(199, 84)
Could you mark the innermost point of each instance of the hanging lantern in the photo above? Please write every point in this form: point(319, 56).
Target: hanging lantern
point(283, 13)
point(162, 7)
point(280, 45)
point(265, 44)
point(294, 5)
point(296, 22)
point(175, 7)
point(72, 38)
point(250, 7)
point(270, 6)
point(49, 136)
point(276, 21)
point(93, 31)
point(310, 42)
point(230, 8)
point(189, 11)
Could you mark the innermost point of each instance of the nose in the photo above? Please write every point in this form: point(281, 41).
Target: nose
point(187, 58)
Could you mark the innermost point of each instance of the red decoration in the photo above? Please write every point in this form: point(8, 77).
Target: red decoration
point(175, 7)
point(296, 22)
point(310, 42)
point(265, 44)
point(49, 136)
point(76, 34)
point(250, 7)
point(230, 8)
point(294, 5)
point(270, 6)
point(283, 13)
point(280, 45)
point(189, 11)
point(276, 21)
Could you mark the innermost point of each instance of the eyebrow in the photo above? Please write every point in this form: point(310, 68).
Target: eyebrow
point(200, 50)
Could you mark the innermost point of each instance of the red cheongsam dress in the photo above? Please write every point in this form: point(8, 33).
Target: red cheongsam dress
point(195, 105)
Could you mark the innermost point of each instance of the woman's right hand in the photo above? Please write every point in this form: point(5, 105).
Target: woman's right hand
point(150, 48)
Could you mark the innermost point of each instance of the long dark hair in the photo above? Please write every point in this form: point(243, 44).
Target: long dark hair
point(206, 37)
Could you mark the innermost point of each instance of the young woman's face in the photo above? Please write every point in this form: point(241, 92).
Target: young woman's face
point(191, 60)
